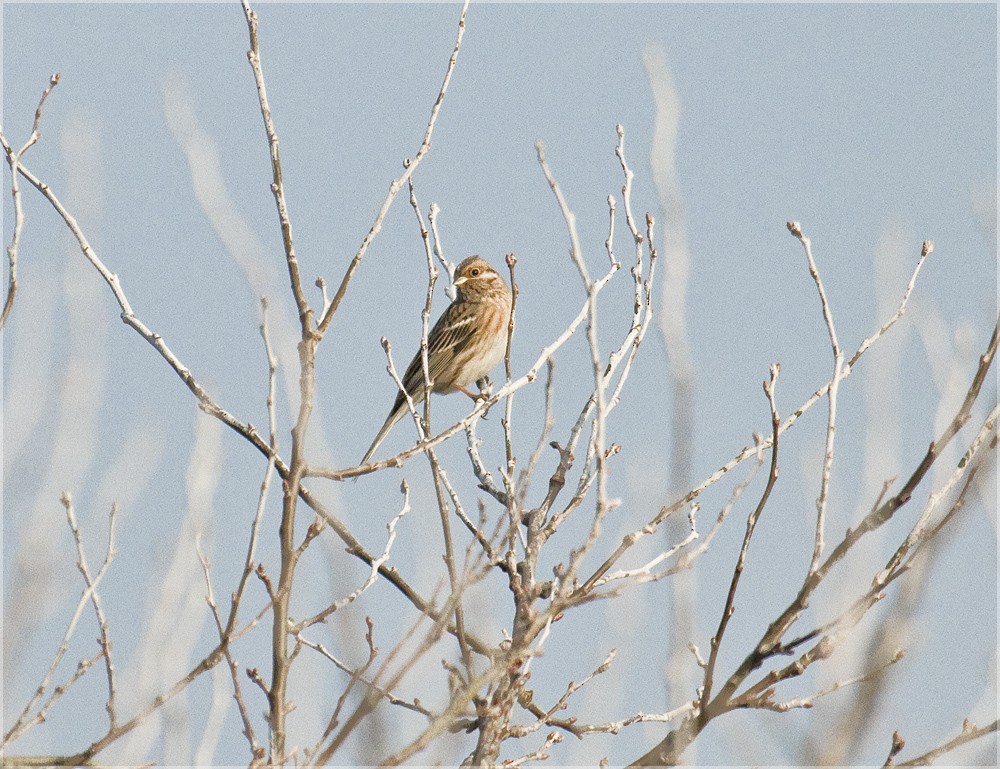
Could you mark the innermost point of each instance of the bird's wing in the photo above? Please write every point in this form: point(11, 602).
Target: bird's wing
point(450, 335)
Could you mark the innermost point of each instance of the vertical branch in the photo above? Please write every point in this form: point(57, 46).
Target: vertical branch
point(13, 160)
point(95, 599)
point(439, 491)
point(598, 400)
point(708, 709)
point(642, 310)
point(547, 424)
point(432, 215)
point(831, 424)
point(256, 750)
point(449, 558)
point(280, 659)
point(602, 505)
point(509, 405)
point(249, 562)
point(574, 239)
point(425, 315)
point(226, 634)
point(673, 332)
point(523, 582)
point(677, 260)
point(277, 187)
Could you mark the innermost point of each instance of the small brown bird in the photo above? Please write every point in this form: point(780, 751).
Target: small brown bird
point(467, 341)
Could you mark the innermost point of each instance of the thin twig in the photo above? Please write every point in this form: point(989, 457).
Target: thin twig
point(397, 184)
point(14, 159)
point(23, 722)
point(512, 496)
point(546, 717)
point(355, 678)
point(95, 599)
point(373, 573)
point(249, 561)
point(425, 315)
point(831, 424)
point(547, 423)
point(576, 254)
point(542, 754)
point(615, 727)
point(766, 701)
point(358, 674)
point(925, 251)
point(790, 420)
point(969, 733)
point(256, 750)
point(484, 476)
point(277, 184)
point(708, 708)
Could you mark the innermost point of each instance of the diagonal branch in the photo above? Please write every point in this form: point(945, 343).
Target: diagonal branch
point(969, 733)
point(397, 184)
point(668, 750)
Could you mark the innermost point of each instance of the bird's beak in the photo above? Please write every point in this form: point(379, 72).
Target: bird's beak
point(459, 281)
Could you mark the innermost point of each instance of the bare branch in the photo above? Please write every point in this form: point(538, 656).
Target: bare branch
point(256, 750)
point(512, 496)
point(766, 700)
point(969, 733)
point(377, 564)
point(542, 754)
point(397, 184)
point(546, 718)
point(615, 727)
point(13, 160)
point(831, 424)
point(95, 598)
point(925, 251)
point(749, 451)
point(358, 675)
point(277, 184)
point(709, 708)
point(23, 722)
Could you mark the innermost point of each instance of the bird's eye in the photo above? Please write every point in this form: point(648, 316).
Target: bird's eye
point(475, 272)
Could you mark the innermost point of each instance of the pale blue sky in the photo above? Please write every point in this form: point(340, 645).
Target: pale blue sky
point(873, 125)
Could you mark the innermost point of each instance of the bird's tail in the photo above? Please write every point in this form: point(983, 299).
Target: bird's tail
point(390, 421)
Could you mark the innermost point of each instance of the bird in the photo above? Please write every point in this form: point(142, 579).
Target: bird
point(465, 344)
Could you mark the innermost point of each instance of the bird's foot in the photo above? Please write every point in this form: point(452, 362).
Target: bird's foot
point(485, 391)
point(485, 387)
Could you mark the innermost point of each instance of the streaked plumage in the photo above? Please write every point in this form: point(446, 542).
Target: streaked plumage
point(465, 344)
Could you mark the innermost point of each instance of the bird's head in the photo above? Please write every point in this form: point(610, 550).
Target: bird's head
point(475, 279)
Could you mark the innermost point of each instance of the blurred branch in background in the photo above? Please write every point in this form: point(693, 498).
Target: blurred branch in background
point(679, 675)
